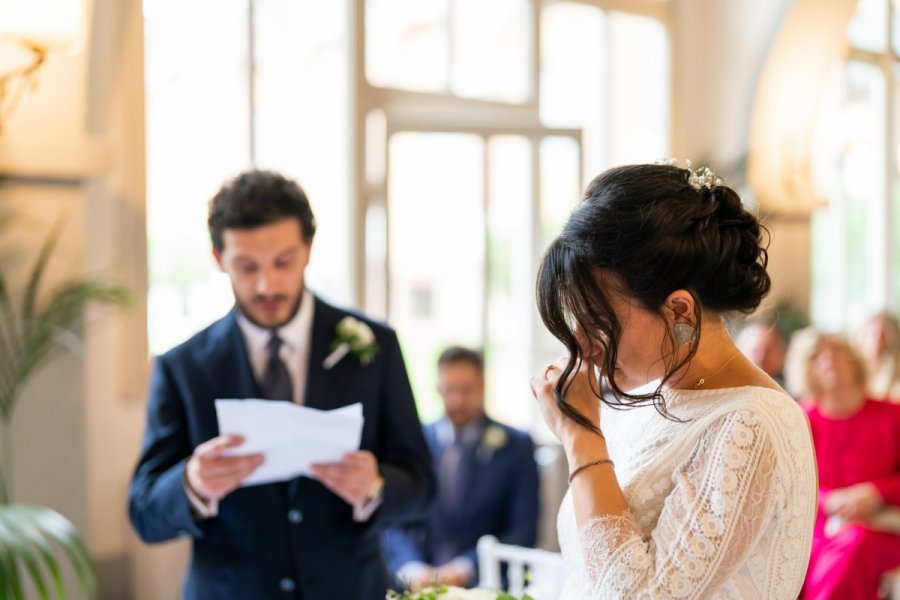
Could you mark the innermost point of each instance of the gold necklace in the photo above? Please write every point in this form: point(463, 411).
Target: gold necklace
point(703, 379)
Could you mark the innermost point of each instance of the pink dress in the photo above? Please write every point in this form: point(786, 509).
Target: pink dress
point(848, 562)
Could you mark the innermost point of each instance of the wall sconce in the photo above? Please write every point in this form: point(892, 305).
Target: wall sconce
point(29, 30)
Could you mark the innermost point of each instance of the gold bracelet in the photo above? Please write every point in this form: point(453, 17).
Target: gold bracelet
point(599, 461)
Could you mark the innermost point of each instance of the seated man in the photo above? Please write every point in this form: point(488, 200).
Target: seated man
point(487, 484)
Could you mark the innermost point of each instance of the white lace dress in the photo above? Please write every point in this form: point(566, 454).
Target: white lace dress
point(721, 505)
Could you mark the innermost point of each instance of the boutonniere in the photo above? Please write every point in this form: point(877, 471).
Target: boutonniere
point(493, 439)
point(352, 336)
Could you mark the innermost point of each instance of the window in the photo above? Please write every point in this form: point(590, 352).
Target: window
point(856, 238)
point(473, 166)
point(607, 73)
point(223, 96)
point(468, 48)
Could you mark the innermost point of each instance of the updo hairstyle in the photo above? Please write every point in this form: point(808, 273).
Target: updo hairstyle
point(656, 233)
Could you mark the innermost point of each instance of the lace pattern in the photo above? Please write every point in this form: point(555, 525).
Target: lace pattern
point(723, 509)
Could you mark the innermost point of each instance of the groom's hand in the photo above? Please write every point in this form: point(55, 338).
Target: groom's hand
point(352, 478)
point(212, 475)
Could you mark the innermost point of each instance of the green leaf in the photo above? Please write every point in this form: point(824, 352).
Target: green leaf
point(37, 272)
point(9, 346)
point(30, 339)
point(23, 552)
point(64, 534)
point(40, 540)
point(60, 314)
point(30, 535)
point(10, 583)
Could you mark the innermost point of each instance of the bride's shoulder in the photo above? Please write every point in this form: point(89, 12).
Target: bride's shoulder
point(776, 414)
point(719, 402)
point(757, 399)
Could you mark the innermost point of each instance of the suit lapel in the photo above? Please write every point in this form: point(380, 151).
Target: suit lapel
point(325, 320)
point(228, 362)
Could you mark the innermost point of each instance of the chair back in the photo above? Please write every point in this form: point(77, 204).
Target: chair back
point(539, 573)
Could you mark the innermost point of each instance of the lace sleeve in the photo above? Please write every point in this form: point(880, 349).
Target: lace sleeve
point(721, 503)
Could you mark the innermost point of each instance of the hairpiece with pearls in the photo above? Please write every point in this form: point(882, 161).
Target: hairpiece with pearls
point(704, 177)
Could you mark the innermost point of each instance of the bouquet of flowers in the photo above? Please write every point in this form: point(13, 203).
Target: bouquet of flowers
point(453, 593)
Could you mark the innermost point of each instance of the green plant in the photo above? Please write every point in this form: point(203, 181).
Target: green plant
point(30, 334)
point(440, 592)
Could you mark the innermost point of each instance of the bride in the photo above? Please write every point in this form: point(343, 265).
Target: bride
point(703, 483)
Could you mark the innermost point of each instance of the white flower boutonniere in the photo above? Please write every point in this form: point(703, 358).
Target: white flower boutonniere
point(493, 439)
point(352, 336)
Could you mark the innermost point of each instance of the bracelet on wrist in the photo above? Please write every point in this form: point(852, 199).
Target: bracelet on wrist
point(580, 468)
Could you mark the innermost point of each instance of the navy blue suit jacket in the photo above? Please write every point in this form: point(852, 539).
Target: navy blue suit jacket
point(291, 539)
point(500, 497)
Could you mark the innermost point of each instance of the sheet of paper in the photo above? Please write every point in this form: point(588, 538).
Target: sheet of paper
point(292, 437)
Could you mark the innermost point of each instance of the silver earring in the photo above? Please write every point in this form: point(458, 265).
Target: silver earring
point(684, 333)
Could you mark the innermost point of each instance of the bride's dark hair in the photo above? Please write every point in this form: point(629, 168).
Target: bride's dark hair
point(656, 233)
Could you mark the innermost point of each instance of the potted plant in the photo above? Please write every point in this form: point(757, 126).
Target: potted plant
point(36, 542)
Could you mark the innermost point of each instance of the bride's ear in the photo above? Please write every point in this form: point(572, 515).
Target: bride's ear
point(682, 307)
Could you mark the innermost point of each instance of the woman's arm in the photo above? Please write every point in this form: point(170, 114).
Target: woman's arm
point(721, 502)
point(723, 499)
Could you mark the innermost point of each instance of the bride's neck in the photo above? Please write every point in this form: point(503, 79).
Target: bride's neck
point(716, 356)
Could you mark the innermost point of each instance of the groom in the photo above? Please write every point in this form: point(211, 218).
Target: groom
point(310, 538)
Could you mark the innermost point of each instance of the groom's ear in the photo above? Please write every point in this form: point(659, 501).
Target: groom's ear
point(217, 255)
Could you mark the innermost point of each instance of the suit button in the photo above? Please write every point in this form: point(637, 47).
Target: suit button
point(288, 585)
point(295, 516)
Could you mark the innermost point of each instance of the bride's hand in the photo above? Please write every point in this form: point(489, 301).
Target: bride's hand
point(580, 395)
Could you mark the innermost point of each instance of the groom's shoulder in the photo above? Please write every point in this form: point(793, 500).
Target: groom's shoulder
point(202, 342)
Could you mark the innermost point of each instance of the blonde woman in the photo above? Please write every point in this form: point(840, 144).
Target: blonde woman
point(857, 441)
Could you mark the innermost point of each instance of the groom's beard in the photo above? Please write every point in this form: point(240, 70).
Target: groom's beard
point(259, 314)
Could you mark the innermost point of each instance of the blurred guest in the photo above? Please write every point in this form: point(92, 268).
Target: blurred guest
point(857, 441)
point(766, 346)
point(487, 484)
point(879, 341)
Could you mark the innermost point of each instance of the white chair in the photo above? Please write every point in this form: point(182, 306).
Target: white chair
point(546, 570)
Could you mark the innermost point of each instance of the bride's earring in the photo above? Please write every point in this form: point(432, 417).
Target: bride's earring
point(684, 333)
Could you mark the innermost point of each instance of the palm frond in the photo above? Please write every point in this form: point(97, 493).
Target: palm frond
point(8, 324)
point(30, 537)
point(37, 544)
point(9, 355)
point(37, 272)
point(10, 582)
point(57, 318)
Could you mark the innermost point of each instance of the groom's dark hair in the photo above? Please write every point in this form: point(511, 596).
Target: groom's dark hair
point(256, 198)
